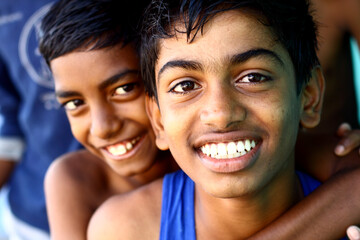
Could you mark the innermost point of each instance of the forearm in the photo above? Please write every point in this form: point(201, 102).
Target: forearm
point(324, 214)
point(6, 168)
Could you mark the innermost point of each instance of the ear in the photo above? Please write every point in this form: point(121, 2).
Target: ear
point(312, 99)
point(153, 112)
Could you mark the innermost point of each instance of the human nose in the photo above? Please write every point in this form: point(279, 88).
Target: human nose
point(105, 123)
point(222, 108)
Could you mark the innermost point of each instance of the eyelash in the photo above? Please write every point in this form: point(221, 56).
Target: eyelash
point(194, 86)
point(263, 78)
point(76, 103)
point(132, 87)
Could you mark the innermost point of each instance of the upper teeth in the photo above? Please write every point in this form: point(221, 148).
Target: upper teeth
point(122, 148)
point(228, 150)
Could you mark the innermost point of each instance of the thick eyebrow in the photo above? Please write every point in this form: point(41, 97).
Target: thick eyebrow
point(236, 59)
point(188, 65)
point(66, 94)
point(116, 78)
point(253, 53)
point(106, 83)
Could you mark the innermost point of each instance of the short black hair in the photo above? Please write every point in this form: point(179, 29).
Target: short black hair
point(78, 24)
point(290, 21)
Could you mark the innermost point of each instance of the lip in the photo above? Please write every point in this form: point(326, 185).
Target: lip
point(230, 165)
point(128, 154)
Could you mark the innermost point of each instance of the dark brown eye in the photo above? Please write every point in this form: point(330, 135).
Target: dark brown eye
point(185, 86)
point(125, 88)
point(254, 78)
point(73, 104)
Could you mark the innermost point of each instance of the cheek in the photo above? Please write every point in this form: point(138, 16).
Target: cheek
point(176, 127)
point(279, 115)
point(135, 111)
point(139, 115)
point(285, 121)
point(173, 127)
point(79, 129)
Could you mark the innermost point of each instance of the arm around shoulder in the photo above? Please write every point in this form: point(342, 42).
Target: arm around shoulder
point(324, 214)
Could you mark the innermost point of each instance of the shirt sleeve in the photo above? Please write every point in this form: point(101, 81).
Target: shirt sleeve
point(11, 138)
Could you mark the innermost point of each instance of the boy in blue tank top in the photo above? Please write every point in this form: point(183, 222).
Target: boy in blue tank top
point(229, 83)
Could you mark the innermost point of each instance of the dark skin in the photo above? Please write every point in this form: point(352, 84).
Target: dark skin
point(6, 167)
point(78, 183)
point(326, 158)
point(314, 205)
point(337, 20)
point(296, 222)
point(106, 115)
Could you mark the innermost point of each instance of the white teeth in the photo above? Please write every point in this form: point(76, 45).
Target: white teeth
point(129, 146)
point(240, 146)
point(247, 145)
point(231, 148)
point(117, 150)
point(122, 148)
point(228, 150)
point(237, 154)
point(213, 150)
point(135, 140)
point(207, 149)
point(222, 149)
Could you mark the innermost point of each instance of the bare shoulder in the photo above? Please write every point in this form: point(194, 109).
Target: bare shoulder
point(134, 215)
point(75, 166)
point(70, 196)
point(67, 166)
point(74, 175)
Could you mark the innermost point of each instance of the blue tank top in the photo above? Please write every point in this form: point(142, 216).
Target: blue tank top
point(177, 213)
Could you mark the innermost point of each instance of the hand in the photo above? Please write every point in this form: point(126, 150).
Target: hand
point(6, 168)
point(350, 140)
point(353, 233)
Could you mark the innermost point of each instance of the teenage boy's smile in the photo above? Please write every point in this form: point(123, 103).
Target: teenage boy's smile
point(228, 150)
point(227, 156)
point(126, 150)
point(103, 96)
point(226, 104)
point(122, 148)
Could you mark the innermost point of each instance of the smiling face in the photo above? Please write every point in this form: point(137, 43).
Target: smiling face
point(103, 96)
point(228, 107)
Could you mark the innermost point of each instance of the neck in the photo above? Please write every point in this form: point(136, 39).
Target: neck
point(241, 217)
point(165, 164)
point(120, 184)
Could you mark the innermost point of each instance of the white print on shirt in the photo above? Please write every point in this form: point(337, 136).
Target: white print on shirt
point(30, 56)
point(32, 60)
point(49, 100)
point(11, 18)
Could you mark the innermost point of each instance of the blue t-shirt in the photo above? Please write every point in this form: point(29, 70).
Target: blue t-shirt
point(28, 107)
point(177, 213)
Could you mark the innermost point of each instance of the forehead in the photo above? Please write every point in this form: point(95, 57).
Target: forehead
point(225, 35)
point(81, 66)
